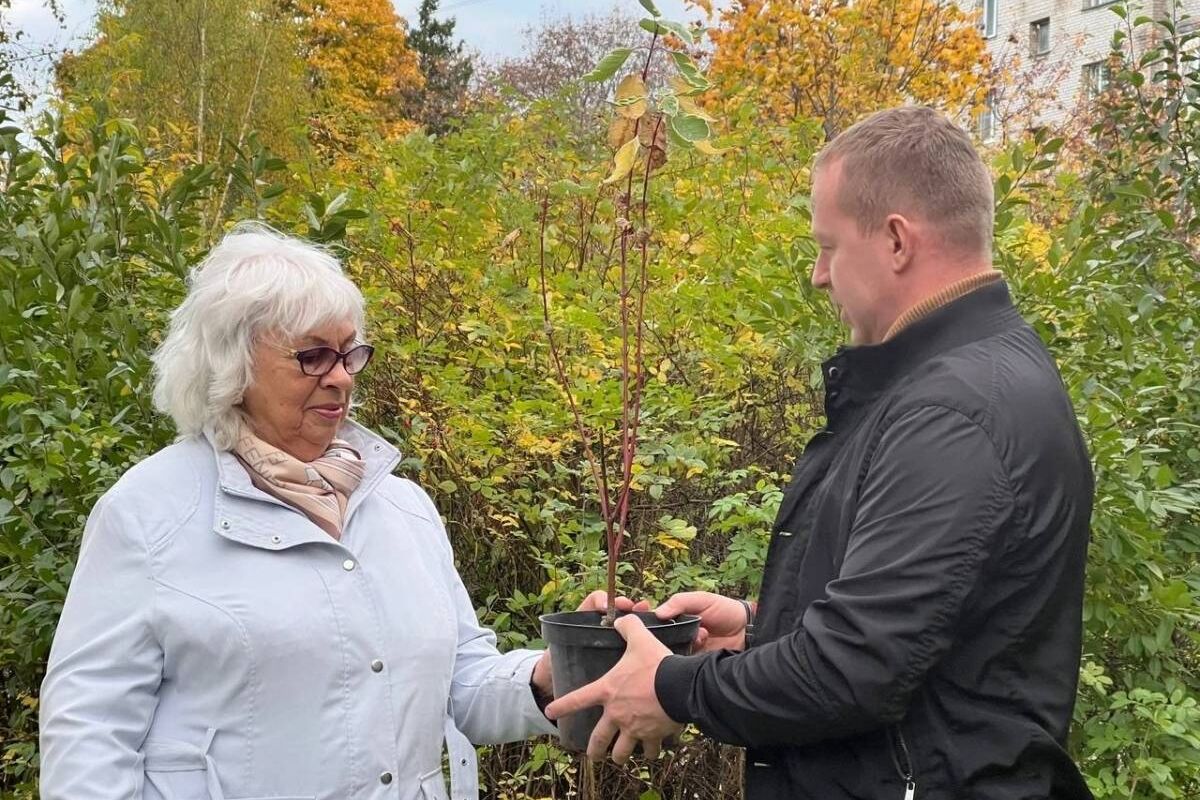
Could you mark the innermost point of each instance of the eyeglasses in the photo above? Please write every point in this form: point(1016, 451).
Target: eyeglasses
point(319, 361)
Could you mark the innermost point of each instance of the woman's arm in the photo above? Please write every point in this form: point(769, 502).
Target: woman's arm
point(102, 680)
point(490, 694)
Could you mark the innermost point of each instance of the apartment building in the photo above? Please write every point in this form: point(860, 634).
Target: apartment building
point(1054, 55)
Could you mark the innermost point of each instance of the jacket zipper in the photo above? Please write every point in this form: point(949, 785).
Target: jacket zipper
point(902, 760)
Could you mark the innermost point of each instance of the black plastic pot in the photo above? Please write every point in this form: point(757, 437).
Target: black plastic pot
point(582, 650)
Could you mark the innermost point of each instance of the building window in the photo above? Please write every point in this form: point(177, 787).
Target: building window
point(1097, 77)
point(988, 124)
point(1096, 3)
point(990, 7)
point(1039, 37)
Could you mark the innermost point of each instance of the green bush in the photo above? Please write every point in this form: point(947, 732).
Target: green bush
point(96, 229)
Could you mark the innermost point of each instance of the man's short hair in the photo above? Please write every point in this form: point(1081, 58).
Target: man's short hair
point(912, 160)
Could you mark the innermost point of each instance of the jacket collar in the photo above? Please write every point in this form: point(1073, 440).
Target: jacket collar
point(856, 376)
point(237, 498)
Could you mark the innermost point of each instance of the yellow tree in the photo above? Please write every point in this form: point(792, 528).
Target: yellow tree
point(836, 60)
point(359, 65)
point(199, 74)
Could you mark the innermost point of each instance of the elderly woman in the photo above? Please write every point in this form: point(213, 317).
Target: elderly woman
point(261, 610)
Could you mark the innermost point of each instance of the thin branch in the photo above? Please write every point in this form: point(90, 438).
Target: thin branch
point(599, 474)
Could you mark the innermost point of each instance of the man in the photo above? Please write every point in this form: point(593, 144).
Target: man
point(920, 619)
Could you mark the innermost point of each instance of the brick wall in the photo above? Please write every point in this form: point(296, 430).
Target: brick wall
point(1048, 89)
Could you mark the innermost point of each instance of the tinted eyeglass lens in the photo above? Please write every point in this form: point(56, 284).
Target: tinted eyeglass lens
point(358, 358)
point(317, 361)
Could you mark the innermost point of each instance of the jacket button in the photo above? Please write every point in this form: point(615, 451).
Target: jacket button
point(377, 666)
point(834, 373)
point(276, 539)
point(385, 778)
point(348, 564)
point(225, 524)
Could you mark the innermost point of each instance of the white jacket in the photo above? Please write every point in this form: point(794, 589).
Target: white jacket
point(217, 645)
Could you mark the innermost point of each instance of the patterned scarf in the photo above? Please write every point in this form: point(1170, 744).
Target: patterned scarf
point(321, 488)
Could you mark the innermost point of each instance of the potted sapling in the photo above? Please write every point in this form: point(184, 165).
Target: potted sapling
point(647, 127)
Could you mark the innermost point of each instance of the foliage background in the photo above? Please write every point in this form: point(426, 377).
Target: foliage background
point(100, 218)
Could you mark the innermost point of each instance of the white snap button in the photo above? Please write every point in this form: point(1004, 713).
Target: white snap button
point(348, 565)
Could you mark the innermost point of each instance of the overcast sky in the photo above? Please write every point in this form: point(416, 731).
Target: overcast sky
point(491, 26)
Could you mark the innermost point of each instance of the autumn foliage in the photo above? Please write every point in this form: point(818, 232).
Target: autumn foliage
point(359, 64)
point(835, 61)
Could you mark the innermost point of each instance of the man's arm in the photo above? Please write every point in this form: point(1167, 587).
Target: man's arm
point(931, 505)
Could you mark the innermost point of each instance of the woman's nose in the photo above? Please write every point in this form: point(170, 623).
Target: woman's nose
point(338, 377)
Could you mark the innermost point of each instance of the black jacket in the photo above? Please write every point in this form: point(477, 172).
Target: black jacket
point(920, 616)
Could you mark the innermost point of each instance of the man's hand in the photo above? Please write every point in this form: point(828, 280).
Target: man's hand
point(541, 681)
point(631, 709)
point(722, 619)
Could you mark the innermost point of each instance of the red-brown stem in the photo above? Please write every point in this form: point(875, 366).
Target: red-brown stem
point(638, 359)
point(630, 401)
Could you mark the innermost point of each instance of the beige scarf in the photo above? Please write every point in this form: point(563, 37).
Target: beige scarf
point(321, 488)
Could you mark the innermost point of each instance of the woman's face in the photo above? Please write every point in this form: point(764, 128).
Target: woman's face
point(295, 412)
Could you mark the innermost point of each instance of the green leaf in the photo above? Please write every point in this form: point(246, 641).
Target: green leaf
point(650, 7)
point(663, 27)
point(608, 65)
point(689, 71)
point(449, 487)
point(689, 128)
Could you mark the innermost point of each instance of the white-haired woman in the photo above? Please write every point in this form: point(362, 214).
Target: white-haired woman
point(261, 610)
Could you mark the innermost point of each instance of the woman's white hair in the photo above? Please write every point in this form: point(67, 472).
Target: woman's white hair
point(254, 281)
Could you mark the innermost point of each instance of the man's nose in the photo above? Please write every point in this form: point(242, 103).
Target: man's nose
point(820, 275)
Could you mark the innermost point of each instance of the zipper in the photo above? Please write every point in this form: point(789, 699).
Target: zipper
point(902, 760)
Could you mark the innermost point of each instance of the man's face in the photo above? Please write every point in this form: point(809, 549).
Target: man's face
point(855, 269)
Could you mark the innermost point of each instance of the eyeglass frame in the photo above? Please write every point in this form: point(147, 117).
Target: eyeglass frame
point(339, 357)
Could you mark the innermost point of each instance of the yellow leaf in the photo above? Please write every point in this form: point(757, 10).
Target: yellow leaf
point(631, 97)
point(624, 160)
point(689, 106)
point(620, 132)
point(706, 147)
point(670, 542)
point(681, 87)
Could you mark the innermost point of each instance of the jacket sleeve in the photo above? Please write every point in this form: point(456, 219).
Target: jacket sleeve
point(930, 508)
point(105, 667)
point(490, 696)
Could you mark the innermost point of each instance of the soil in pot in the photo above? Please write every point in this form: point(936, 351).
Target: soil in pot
point(582, 650)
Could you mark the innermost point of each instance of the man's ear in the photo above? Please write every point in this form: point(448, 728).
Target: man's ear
point(901, 240)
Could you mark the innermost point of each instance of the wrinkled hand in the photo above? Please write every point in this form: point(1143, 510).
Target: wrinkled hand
point(722, 619)
point(632, 712)
point(596, 601)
